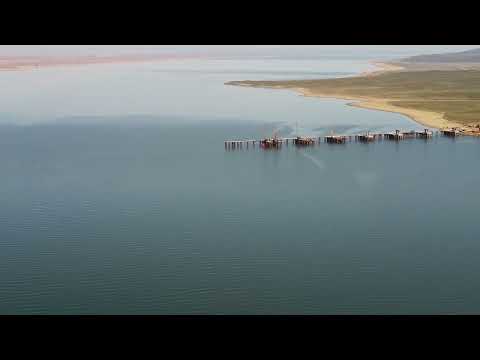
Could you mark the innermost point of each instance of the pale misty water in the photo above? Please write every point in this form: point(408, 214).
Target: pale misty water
point(118, 197)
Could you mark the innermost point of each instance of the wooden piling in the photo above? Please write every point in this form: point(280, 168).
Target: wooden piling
point(453, 132)
point(335, 139)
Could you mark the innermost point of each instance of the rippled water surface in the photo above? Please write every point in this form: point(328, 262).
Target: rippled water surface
point(119, 197)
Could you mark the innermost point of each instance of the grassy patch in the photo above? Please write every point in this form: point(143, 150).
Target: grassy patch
point(455, 93)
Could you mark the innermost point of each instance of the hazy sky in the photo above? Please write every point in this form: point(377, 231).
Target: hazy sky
point(272, 50)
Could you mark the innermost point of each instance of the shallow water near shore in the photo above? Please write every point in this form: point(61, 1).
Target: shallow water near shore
point(125, 200)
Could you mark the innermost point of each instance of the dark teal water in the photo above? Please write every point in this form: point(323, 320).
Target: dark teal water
point(150, 215)
point(161, 219)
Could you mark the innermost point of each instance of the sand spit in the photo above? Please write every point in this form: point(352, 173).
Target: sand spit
point(383, 68)
point(11, 63)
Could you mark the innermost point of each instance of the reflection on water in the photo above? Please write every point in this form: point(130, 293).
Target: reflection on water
point(127, 219)
point(108, 213)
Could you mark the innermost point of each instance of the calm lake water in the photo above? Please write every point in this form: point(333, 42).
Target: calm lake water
point(119, 197)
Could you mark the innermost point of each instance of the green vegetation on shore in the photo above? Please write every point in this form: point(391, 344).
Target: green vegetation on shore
point(455, 93)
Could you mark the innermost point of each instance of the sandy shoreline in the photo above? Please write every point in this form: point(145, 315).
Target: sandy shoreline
point(382, 68)
point(23, 63)
point(426, 118)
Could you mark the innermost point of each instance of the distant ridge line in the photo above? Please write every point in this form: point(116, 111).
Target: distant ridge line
point(468, 56)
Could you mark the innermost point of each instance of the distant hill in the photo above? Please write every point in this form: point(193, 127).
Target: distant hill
point(469, 56)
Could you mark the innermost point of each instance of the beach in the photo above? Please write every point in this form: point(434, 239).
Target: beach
point(427, 118)
point(374, 98)
point(119, 196)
